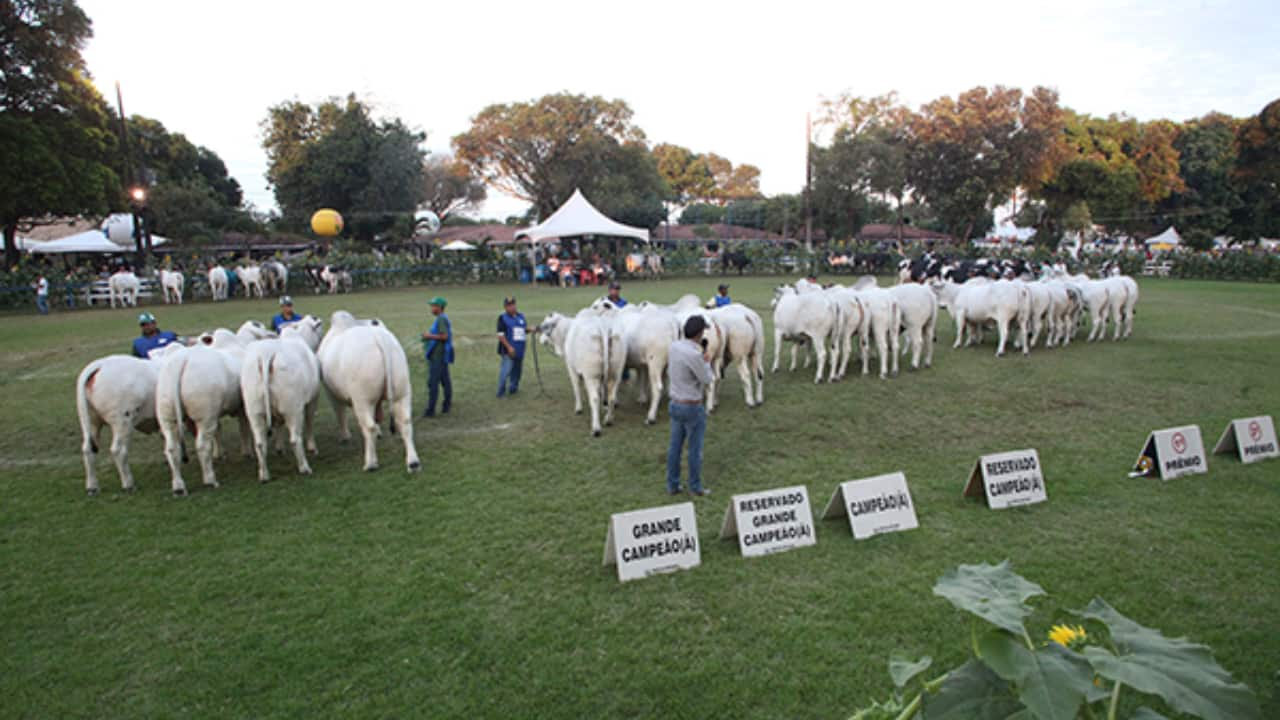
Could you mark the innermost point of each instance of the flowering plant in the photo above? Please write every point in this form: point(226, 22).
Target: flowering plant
point(1077, 673)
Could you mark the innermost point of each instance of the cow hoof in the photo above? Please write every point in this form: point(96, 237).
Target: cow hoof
point(131, 490)
point(649, 421)
point(91, 492)
point(370, 468)
point(595, 433)
point(179, 492)
point(577, 412)
point(264, 480)
point(415, 466)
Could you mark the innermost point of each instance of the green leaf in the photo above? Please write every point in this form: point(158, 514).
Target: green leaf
point(1052, 682)
point(972, 692)
point(1182, 673)
point(994, 593)
point(1146, 713)
point(902, 670)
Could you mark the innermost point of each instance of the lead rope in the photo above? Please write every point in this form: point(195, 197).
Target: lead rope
point(537, 371)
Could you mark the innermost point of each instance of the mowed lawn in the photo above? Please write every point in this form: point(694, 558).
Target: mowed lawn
point(475, 588)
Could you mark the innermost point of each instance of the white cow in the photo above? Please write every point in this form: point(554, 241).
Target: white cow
point(1100, 300)
point(647, 335)
point(1130, 305)
point(882, 320)
point(919, 310)
point(1039, 316)
point(553, 330)
point(281, 379)
point(744, 344)
point(123, 287)
point(1062, 301)
point(362, 365)
point(218, 283)
point(120, 391)
point(172, 283)
point(980, 301)
point(201, 384)
point(275, 277)
point(808, 317)
point(251, 278)
point(595, 352)
point(851, 316)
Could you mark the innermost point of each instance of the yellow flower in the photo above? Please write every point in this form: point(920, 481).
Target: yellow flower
point(1066, 636)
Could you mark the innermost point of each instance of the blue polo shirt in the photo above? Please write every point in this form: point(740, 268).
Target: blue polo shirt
point(620, 303)
point(722, 300)
point(280, 321)
point(514, 329)
point(143, 345)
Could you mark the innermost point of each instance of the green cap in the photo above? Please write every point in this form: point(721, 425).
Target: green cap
point(286, 300)
point(439, 300)
point(145, 318)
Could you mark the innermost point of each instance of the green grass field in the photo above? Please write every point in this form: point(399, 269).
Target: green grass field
point(475, 589)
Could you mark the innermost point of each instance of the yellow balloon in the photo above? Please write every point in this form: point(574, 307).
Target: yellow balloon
point(326, 223)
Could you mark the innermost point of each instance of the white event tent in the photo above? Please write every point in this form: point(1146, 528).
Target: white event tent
point(1169, 237)
point(577, 217)
point(89, 241)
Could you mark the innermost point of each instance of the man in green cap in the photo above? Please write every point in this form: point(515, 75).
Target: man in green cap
point(437, 343)
point(152, 338)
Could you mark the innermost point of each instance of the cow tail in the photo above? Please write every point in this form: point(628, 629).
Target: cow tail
point(389, 388)
point(264, 376)
point(605, 338)
point(757, 345)
point(180, 367)
point(82, 402)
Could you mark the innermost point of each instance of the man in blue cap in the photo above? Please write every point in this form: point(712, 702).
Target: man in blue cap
point(152, 338)
point(512, 333)
point(286, 315)
point(615, 295)
point(722, 296)
point(438, 345)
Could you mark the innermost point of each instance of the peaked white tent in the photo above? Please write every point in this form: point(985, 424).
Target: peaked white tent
point(458, 245)
point(576, 217)
point(1170, 236)
point(89, 241)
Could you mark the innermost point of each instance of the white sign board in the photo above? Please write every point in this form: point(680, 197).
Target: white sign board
point(657, 540)
point(1007, 480)
point(1174, 452)
point(875, 505)
point(1254, 438)
point(770, 521)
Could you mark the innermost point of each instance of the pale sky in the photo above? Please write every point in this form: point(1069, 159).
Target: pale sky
point(731, 78)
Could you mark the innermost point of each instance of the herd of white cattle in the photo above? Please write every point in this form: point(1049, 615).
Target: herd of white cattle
point(256, 280)
point(601, 342)
point(261, 378)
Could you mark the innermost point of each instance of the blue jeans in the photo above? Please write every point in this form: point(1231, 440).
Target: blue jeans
point(509, 375)
point(42, 304)
point(688, 422)
point(437, 377)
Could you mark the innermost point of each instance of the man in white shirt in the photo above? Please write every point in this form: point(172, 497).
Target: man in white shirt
point(689, 374)
point(42, 294)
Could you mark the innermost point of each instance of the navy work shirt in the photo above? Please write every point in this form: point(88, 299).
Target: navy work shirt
point(514, 329)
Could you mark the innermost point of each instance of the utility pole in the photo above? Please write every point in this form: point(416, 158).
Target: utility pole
point(808, 183)
point(137, 196)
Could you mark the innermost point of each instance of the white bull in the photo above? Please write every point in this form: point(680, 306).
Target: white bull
point(980, 301)
point(251, 278)
point(362, 365)
point(882, 321)
point(172, 283)
point(919, 310)
point(647, 334)
point(281, 379)
point(123, 286)
point(595, 352)
point(808, 317)
point(201, 384)
point(275, 277)
point(851, 317)
point(120, 391)
point(744, 344)
point(218, 283)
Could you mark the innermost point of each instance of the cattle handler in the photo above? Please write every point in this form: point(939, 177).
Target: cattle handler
point(437, 344)
point(152, 338)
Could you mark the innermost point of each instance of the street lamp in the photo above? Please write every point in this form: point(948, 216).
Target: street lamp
point(141, 233)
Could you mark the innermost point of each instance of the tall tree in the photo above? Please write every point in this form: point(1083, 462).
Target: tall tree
point(1206, 158)
point(334, 154)
point(448, 186)
point(1257, 174)
point(55, 129)
point(541, 150)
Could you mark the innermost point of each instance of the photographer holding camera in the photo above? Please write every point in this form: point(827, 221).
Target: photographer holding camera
point(689, 373)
